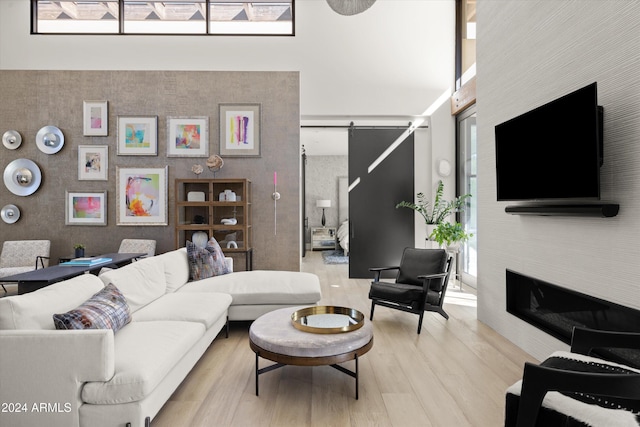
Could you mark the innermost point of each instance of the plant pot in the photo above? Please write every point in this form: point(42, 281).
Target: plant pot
point(454, 247)
point(79, 253)
point(428, 243)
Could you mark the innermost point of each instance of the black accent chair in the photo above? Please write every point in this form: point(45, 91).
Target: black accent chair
point(595, 390)
point(420, 285)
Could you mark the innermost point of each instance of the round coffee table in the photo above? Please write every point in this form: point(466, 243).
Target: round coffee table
point(272, 336)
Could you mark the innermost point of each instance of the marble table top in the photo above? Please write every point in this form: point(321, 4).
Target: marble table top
point(274, 332)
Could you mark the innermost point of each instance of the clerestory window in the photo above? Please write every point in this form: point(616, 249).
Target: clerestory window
point(204, 17)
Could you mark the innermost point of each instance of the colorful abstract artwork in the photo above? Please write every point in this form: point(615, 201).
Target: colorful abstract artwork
point(87, 207)
point(95, 118)
point(188, 136)
point(240, 130)
point(137, 136)
point(84, 208)
point(142, 196)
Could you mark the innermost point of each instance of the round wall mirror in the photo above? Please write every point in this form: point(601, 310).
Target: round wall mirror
point(11, 139)
point(22, 177)
point(50, 139)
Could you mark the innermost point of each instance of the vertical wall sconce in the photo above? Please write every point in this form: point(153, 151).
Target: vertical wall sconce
point(275, 196)
point(323, 204)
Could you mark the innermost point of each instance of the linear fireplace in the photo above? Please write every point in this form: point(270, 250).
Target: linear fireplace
point(557, 310)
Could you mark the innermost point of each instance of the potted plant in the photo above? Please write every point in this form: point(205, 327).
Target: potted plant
point(437, 212)
point(79, 250)
point(449, 235)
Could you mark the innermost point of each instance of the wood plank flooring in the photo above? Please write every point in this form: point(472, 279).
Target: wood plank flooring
point(453, 374)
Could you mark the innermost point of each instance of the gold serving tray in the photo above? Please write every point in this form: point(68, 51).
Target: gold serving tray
point(323, 319)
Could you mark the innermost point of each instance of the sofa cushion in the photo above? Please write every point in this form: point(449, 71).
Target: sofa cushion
point(205, 308)
point(33, 310)
point(176, 268)
point(145, 352)
point(262, 287)
point(107, 309)
point(140, 282)
point(205, 262)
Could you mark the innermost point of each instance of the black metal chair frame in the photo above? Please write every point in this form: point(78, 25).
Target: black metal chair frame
point(426, 282)
point(538, 380)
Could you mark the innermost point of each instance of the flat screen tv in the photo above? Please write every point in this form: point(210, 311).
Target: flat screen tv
point(553, 151)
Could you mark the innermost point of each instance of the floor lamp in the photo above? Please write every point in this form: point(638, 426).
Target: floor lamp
point(323, 204)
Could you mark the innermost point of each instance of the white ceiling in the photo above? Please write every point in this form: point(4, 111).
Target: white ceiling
point(324, 141)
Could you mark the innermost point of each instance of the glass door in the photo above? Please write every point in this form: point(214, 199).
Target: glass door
point(467, 181)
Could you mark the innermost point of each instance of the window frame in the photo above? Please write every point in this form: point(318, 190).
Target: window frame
point(208, 32)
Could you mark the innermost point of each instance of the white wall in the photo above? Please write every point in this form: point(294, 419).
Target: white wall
point(394, 59)
point(530, 53)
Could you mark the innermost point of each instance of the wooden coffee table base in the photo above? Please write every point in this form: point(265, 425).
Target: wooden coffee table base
point(283, 360)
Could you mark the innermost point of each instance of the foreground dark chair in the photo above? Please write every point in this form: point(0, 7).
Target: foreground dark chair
point(593, 390)
point(421, 283)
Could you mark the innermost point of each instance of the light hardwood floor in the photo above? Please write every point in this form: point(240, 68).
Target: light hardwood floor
point(453, 374)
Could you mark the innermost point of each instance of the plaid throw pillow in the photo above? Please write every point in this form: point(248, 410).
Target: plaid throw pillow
point(107, 309)
point(206, 262)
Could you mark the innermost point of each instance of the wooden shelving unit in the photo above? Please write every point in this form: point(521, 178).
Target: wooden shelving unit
point(199, 208)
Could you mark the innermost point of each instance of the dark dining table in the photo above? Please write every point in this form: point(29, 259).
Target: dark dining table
point(36, 279)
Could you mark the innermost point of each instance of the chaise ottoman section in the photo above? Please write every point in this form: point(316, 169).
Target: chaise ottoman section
point(145, 352)
point(260, 291)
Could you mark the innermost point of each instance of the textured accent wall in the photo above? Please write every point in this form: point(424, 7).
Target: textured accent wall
point(33, 99)
point(530, 53)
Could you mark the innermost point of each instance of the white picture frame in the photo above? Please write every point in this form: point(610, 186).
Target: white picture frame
point(93, 162)
point(137, 135)
point(187, 136)
point(141, 197)
point(95, 118)
point(86, 208)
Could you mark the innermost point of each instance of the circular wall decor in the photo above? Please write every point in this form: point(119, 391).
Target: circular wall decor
point(10, 214)
point(12, 139)
point(444, 168)
point(50, 139)
point(22, 177)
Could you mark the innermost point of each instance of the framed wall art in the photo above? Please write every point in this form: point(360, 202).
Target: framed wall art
point(93, 162)
point(95, 119)
point(188, 136)
point(240, 130)
point(142, 196)
point(86, 208)
point(137, 135)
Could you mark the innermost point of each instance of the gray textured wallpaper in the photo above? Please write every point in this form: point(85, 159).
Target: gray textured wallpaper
point(33, 99)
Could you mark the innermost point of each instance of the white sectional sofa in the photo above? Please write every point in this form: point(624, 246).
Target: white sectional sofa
point(95, 377)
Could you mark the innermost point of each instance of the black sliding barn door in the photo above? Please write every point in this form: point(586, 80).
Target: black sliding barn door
point(378, 231)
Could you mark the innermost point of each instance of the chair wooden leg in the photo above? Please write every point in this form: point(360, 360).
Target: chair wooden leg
point(373, 306)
